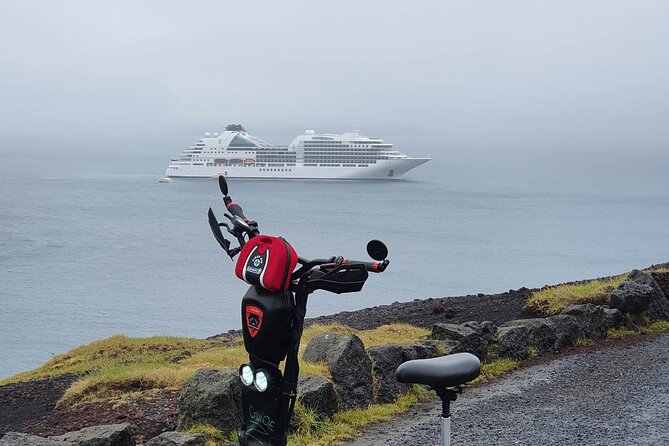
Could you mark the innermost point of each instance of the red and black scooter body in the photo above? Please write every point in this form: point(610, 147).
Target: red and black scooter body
point(267, 323)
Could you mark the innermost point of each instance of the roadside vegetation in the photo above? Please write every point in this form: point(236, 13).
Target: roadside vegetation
point(122, 367)
point(622, 332)
point(551, 300)
point(117, 365)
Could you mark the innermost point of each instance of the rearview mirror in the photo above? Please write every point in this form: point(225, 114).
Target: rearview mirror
point(377, 250)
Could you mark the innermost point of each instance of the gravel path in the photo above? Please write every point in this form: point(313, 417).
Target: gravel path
point(612, 396)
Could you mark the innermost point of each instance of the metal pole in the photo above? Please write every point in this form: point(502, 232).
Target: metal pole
point(446, 431)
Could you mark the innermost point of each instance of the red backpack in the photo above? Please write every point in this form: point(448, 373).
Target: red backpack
point(267, 262)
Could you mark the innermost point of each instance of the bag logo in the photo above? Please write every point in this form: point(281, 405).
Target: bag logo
point(253, 320)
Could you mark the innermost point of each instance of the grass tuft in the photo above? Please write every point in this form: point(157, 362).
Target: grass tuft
point(496, 368)
point(347, 424)
point(552, 300)
point(622, 332)
point(584, 342)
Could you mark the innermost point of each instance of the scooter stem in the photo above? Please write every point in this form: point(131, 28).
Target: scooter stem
point(445, 431)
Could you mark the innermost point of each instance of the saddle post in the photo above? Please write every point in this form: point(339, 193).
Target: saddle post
point(447, 395)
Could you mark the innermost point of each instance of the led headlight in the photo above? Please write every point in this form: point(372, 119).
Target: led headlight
point(246, 374)
point(262, 380)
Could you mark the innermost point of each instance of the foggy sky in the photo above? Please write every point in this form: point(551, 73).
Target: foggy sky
point(431, 76)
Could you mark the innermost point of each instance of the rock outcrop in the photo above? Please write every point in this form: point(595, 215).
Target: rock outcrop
point(386, 359)
point(566, 328)
point(591, 319)
point(512, 342)
point(540, 334)
point(469, 341)
point(211, 396)
point(178, 439)
point(349, 366)
point(103, 435)
point(20, 439)
point(318, 394)
point(642, 297)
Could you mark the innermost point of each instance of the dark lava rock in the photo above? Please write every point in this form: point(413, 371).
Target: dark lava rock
point(178, 439)
point(486, 329)
point(469, 340)
point(640, 295)
point(591, 319)
point(614, 318)
point(318, 394)
point(386, 359)
point(662, 279)
point(540, 335)
point(423, 350)
point(349, 365)
point(105, 435)
point(512, 342)
point(566, 328)
point(211, 396)
point(19, 439)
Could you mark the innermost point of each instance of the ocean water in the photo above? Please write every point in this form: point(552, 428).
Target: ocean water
point(88, 250)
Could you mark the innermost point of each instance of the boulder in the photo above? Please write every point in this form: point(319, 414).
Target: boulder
point(104, 435)
point(211, 396)
point(662, 279)
point(469, 340)
point(386, 359)
point(613, 317)
point(512, 342)
point(590, 318)
point(318, 394)
point(540, 335)
point(19, 439)
point(349, 366)
point(178, 439)
point(424, 350)
point(486, 329)
point(640, 295)
point(566, 328)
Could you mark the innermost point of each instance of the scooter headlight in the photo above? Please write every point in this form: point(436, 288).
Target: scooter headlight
point(246, 374)
point(262, 381)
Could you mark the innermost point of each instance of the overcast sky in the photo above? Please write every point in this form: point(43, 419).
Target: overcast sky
point(429, 76)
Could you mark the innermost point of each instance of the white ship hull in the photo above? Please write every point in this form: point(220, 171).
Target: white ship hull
point(381, 170)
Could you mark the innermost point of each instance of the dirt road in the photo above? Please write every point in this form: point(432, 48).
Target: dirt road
point(611, 396)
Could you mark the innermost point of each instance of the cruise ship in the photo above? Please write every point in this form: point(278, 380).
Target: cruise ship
point(236, 154)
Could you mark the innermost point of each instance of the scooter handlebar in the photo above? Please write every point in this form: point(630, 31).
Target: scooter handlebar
point(372, 267)
point(234, 208)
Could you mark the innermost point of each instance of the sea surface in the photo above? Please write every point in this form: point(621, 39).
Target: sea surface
point(94, 247)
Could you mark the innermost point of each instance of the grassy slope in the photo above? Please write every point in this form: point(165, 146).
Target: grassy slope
point(553, 299)
point(120, 364)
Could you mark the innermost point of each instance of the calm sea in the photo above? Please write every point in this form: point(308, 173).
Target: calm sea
point(90, 248)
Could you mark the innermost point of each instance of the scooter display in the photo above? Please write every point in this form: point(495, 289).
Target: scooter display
point(273, 311)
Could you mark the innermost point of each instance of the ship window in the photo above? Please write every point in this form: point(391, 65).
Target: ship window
point(238, 141)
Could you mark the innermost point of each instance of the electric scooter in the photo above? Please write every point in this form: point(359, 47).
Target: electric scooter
point(273, 311)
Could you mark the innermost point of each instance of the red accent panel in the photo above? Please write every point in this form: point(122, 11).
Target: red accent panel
point(254, 317)
point(282, 262)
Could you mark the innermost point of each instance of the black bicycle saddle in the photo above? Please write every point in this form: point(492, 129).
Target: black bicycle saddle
point(444, 371)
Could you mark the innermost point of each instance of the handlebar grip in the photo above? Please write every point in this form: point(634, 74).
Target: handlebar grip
point(373, 267)
point(234, 208)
